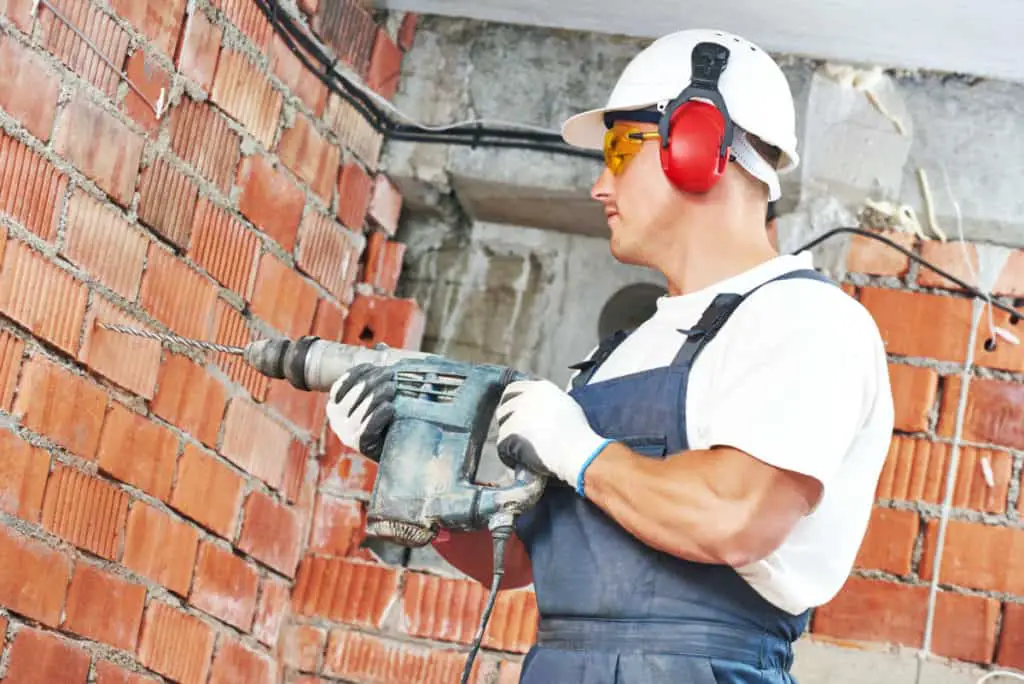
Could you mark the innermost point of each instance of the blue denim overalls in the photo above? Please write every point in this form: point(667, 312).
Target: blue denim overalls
point(612, 609)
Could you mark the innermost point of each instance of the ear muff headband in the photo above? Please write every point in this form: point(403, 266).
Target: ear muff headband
point(696, 129)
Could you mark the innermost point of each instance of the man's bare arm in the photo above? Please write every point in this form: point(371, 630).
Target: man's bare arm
point(719, 505)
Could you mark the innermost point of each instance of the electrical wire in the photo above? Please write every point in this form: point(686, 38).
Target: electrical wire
point(474, 133)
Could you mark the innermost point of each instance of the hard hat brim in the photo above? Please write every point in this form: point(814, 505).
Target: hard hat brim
point(587, 129)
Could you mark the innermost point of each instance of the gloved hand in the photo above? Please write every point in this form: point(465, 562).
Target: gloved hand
point(541, 427)
point(360, 408)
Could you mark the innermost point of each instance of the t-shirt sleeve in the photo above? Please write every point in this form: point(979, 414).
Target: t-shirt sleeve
point(794, 390)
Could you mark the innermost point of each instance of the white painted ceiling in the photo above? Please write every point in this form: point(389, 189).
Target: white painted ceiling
point(977, 37)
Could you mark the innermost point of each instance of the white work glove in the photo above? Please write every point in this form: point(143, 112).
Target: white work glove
point(542, 428)
point(360, 408)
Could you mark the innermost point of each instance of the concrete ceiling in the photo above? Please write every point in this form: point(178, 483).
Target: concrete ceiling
point(976, 37)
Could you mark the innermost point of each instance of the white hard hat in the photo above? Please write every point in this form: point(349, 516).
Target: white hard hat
point(753, 86)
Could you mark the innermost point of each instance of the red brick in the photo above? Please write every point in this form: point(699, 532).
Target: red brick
point(42, 297)
point(11, 351)
point(233, 330)
point(138, 452)
point(31, 188)
point(913, 390)
point(350, 29)
point(376, 249)
point(303, 409)
point(513, 624)
point(28, 88)
point(915, 470)
point(956, 258)
point(383, 263)
point(338, 526)
point(273, 608)
point(1011, 642)
point(344, 590)
point(104, 608)
point(108, 673)
point(79, 55)
point(167, 202)
point(154, 83)
point(353, 130)
point(385, 204)
point(509, 672)
point(65, 407)
point(407, 30)
point(992, 351)
point(38, 656)
point(354, 190)
point(100, 146)
point(994, 413)
point(130, 361)
point(872, 257)
point(158, 20)
point(160, 548)
point(190, 398)
point(271, 533)
point(23, 473)
point(176, 644)
point(208, 492)
point(878, 611)
point(199, 48)
point(295, 471)
point(225, 586)
point(247, 17)
point(385, 65)
point(310, 156)
point(102, 242)
point(86, 511)
point(33, 578)
point(367, 657)
point(283, 298)
point(889, 542)
point(907, 321)
point(236, 664)
point(329, 321)
point(398, 323)
point(270, 200)
point(246, 95)
point(306, 85)
point(976, 556)
point(224, 247)
point(346, 471)
point(255, 442)
point(19, 12)
point(1011, 280)
point(177, 295)
point(302, 647)
point(201, 137)
point(329, 254)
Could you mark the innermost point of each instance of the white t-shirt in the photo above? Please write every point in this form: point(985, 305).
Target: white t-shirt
point(797, 378)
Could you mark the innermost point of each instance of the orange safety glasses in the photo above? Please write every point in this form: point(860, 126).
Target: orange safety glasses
point(622, 144)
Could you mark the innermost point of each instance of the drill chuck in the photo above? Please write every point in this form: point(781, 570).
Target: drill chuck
point(313, 364)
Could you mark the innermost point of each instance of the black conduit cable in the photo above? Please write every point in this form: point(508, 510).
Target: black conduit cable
point(300, 43)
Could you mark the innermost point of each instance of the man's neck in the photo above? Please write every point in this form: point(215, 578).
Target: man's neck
point(695, 267)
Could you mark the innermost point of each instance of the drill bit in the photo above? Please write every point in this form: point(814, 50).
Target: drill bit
point(163, 337)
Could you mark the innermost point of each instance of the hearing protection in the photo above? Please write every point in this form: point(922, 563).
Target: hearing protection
point(697, 135)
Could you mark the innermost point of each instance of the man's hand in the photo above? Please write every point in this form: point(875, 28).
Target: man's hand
point(360, 409)
point(542, 428)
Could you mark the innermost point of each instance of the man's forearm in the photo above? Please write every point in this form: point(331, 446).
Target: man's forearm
point(679, 505)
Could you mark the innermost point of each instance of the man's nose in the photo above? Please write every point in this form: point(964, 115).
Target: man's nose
point(603, 187)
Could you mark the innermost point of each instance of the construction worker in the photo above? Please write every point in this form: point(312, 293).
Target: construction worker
point(712, 472)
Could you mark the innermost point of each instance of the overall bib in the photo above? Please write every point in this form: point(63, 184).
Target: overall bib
point(612, 609)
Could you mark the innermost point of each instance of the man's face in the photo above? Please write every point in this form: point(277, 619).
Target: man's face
point(637, 197)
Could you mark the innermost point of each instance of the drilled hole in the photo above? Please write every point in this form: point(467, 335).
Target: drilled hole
point(990, 344)
point(366, 335)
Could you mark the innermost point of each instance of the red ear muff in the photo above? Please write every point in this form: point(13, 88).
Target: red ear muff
point(696, 129)
point(692, 160)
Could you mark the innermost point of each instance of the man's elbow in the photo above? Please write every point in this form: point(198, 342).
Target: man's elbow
point(754, 538)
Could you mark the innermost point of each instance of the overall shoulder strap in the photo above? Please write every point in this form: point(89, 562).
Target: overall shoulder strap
point(722, 307)
point(588, 367)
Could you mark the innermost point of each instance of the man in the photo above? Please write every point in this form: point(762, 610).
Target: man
point(772, 225)
point(713, 472)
